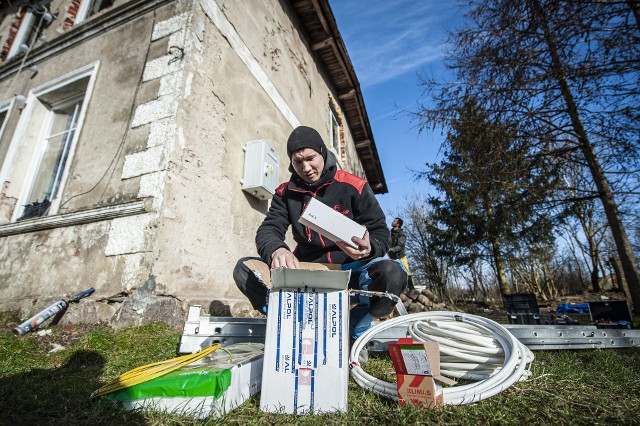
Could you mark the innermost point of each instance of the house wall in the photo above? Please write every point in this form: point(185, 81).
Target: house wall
point(213, 223)
point(179, 92)
point(39, 267)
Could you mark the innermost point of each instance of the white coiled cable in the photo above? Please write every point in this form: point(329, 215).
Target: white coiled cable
point(471, 347)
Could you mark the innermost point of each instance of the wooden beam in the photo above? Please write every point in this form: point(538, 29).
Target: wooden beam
point(346, 94)
point(321, 44)
point(323, 21)
point(363, 143)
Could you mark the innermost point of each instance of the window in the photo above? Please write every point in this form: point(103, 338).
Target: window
point(336, 140)
point(89, 8)
point(63, 120)
point(28, 25)
point(5, 108)
point(4, 115)
point(38, 160)
point(27, 34)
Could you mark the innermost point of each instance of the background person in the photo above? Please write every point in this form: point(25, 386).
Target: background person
point(314, 174)
point(397, 249)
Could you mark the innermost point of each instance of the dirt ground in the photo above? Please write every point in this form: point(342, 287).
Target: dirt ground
point(494, 310)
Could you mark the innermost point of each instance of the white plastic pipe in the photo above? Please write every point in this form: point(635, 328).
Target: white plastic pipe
point(462, 338)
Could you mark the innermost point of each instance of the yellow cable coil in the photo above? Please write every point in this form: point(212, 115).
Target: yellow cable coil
point(151, 371)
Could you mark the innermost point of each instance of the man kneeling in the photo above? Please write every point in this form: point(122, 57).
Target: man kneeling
point(314, 174)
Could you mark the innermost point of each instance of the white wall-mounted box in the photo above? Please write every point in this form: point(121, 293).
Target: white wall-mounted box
point(260, 177)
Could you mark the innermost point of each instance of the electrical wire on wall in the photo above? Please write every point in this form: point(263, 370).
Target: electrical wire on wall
point(176, 57)
point(471, 347)
point(124, 136)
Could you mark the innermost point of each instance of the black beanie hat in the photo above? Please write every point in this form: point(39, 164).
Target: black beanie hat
point(306, 137)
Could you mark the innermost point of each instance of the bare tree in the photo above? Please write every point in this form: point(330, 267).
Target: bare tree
point(535, 268)
point(429, 265)
point(566, 72)
point(590, 222)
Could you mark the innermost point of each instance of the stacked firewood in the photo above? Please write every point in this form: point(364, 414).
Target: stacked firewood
point(421, 300)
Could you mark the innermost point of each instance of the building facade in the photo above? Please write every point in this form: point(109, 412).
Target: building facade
point(123, 130)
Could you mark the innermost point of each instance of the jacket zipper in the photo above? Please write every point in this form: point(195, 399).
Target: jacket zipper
point(306, 228)
point(307, 231)
point(304, 206)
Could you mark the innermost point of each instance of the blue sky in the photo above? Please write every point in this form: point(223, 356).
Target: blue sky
point(390, 43)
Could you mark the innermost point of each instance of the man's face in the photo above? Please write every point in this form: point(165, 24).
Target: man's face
point(394, 223)
point(308, 164)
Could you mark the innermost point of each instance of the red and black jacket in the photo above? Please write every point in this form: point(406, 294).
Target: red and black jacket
point(342, 191)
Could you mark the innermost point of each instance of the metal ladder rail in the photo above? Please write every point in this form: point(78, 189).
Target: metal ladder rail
point(201, 331)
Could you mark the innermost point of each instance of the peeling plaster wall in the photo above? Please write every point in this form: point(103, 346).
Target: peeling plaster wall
point(42, 266)
point(103, 136)
point(117, 160)
point(280, 47)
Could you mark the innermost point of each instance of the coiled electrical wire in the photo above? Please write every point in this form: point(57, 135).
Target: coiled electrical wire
point(471, 347)
point(151, 371)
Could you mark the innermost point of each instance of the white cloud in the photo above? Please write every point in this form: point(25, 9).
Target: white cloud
point(388, 39)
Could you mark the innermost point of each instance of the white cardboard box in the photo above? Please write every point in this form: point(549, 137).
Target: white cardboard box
point(306, 364)
point(246, 373)
point(330, 223)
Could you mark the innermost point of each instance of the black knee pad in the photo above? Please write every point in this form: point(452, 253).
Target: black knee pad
point(250, 285)
point(386, 276)
point(240, 275)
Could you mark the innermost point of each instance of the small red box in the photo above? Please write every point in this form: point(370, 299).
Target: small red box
point(417, 366)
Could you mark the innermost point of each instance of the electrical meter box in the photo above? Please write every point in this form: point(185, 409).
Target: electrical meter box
point(260, 177)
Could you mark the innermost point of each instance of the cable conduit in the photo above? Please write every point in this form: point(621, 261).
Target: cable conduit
point(465, 340)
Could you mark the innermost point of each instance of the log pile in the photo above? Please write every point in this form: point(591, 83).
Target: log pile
point(420, 301)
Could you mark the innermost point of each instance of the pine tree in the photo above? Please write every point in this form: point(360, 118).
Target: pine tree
point(491, 191)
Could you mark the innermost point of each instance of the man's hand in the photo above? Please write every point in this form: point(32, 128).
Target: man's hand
point(284, 258)
point(363, 250)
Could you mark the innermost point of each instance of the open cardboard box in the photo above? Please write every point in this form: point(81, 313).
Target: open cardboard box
point(306, 360)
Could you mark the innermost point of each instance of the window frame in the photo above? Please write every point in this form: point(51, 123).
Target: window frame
point(333, 117)
point(46, 136)
point(24, 123)
point(8, 107)
point(83, 11)
point(26, 26)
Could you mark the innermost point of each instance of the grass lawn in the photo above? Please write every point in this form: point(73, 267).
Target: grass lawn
point(41, 387)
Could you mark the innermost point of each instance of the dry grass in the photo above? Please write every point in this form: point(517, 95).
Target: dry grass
point(42, 387)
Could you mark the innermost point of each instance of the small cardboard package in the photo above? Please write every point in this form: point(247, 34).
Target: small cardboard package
point(417, 366)
point(306, 364)
point(330, 223)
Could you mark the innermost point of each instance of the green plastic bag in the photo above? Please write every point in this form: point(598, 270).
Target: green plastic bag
point(184, 382)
